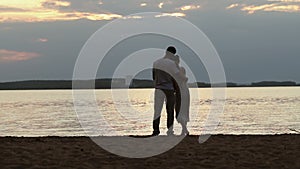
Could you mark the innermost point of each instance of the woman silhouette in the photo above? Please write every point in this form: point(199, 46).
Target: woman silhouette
point(182, 103)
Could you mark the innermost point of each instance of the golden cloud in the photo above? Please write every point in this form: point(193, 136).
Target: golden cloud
point(43, 11)
point(282, 8)
point(12, 56)
point(160, 5)
point(176, 14)
point(232, 6)
point(252, 8)
point(165, 2)
point(189, 7)
point(53, 15)
point(271, 6)
point(28, 4)
point(62, 3)
point(55, 3)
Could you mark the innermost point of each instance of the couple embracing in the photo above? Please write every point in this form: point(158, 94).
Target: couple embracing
point(170, 83)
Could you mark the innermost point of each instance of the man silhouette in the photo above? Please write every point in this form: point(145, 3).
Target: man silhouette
point(164, 72)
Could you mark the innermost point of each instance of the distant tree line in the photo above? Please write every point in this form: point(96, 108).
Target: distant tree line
point(120, 83)
point(274, 83)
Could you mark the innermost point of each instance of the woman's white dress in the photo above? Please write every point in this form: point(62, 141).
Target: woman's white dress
point(184, 115)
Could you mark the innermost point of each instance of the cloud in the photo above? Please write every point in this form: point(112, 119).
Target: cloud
point(160, 5)
point(166, 2)
point(11, 9)
point(13, 56)
point(143, 4)
point(176, 14)
point(284, 8)
point(252, 8)
point(42, 40)
point(189, 7)
point(48, 16)
point(94, 10)
point(232, 6)
point(47, 11)
point(269, 6)
point(56, 3)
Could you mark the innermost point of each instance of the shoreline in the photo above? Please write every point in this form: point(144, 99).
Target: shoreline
point(137, 136)
point(219, 151)
point(141, 88)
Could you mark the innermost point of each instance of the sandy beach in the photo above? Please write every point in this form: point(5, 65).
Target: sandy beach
point(220, 151)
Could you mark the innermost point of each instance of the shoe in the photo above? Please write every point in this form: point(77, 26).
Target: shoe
point(155, 133)
point(185, 132)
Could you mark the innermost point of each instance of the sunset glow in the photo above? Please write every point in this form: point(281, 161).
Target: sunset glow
point(37, 34)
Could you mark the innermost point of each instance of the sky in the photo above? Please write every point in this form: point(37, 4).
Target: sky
point(256, 40)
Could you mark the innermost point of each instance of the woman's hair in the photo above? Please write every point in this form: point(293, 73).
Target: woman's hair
point(176, 59)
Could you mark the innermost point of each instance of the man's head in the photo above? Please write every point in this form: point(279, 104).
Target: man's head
point(171, 49)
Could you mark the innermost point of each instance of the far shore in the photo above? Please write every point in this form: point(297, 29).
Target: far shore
point(122, 84)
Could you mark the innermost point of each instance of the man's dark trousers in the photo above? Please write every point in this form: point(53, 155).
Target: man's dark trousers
point(160, 96)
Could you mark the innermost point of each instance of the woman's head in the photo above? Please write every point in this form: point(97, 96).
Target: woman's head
point(176, 59)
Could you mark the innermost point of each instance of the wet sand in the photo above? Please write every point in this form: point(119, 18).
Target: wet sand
point(219, 151)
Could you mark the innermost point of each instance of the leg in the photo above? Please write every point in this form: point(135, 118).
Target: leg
point(184, 130)
point(177, 104)
point(159, 98)
point(170, 103)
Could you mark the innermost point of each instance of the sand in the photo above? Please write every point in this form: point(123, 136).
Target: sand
point(220, 151)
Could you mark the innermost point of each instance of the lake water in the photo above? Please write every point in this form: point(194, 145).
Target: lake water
point(269, 110)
